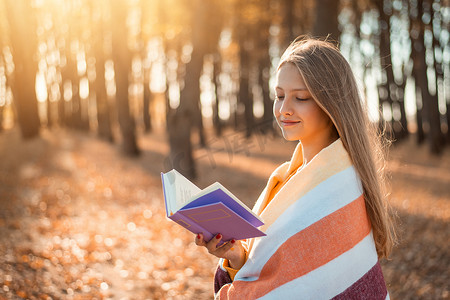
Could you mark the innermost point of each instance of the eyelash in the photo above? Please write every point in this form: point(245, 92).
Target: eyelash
point(299, 99)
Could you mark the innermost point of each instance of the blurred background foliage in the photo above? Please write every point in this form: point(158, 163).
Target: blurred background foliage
point(122, 68)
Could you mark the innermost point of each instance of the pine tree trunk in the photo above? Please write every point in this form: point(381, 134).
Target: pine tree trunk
point(104, 129)
point(244, 96)
point(23, 40)
point(199, 123)
point(385, 88)
point(50, 118)
point(1, 117)
point(264, 69)
point(439, 76)
point(288, 22)
point(146, 14)
point(61, 107)
point(101, 98)
point(7, 83)
point(75, 113)
point(181, 121)
point(326, 22)
point(401, 101)
point(448, 118)
point(217, 123)
point(2, 63)
point(146, 102)
point(122, 63)
point(429, 104)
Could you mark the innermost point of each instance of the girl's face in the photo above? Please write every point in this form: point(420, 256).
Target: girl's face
point(297, 114)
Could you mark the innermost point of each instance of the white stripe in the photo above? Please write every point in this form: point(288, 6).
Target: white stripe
point(332, 278)
point(221, 265)
point(327, 197)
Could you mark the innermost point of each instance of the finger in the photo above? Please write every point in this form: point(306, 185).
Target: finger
point(199, 240)
point(224, 248)
point(212, 244)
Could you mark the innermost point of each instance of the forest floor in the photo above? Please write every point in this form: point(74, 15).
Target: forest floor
point(80, 221)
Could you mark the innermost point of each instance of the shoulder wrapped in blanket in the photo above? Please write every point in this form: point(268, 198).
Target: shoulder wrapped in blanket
point(319, 243)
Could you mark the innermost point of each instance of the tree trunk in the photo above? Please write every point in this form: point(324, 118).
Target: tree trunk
point(103, 110)
point(448, 118)
point(439, 73)
point(62, 108)
point(50, 119)
point(181, 121)
point(420, 70)
point(146, 102)
point(122, 63)
point(23, 40)
point(385, 88)
point(146, 65)
point(288, 22)
point(199, 122)
point(435, 114)
point(7, 83)
point(264, 69)
point(419, 119)
point(216, 117)
point(244, 98)
point(101, 98)
point(401, 100)
point(1, 117)
point(72, 113)
point(75, 113)
point(326, 21)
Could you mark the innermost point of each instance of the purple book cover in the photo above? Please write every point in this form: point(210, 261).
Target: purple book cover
point(180, 219)
point(210, 211)
point(220, 196)
point(218, 218)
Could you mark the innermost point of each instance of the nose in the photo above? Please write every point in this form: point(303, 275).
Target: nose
point(286, 107)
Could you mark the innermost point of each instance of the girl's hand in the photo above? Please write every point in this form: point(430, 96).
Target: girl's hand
point(232, 250)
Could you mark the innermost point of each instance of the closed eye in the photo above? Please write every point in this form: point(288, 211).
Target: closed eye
point(279, 97)
point(302, 99)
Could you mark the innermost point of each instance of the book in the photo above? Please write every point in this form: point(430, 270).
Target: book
point(209, 211)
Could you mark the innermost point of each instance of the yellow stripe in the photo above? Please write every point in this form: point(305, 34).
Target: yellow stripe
point(328, 162)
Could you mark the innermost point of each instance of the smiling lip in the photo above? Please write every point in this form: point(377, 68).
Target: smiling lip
point(289, 122)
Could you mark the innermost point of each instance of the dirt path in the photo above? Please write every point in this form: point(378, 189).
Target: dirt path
point(78, 221)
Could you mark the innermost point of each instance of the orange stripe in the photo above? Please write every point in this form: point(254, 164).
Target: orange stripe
point(309, 249)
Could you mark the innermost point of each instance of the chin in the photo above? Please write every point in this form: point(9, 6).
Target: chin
point(289, 137)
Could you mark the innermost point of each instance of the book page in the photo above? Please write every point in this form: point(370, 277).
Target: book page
point(178, 190)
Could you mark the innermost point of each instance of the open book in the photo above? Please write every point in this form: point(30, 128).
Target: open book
point(209, 211)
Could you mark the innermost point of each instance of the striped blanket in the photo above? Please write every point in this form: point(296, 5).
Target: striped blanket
point(319, 243)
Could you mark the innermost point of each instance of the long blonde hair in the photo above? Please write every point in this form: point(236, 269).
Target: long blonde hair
point(330, 80)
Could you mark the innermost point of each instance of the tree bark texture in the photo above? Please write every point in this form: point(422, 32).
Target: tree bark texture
point(122, 62)
point(104, 129)
point(23, 39)
point(186, 116)
point(264, 64)
point(429, 103)
point(326, 22)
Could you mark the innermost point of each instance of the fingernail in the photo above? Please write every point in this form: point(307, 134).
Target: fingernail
point(218, 236)
point(233, 241)
point(198, 236)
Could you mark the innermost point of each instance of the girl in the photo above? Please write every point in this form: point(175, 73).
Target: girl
point(325, 213)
